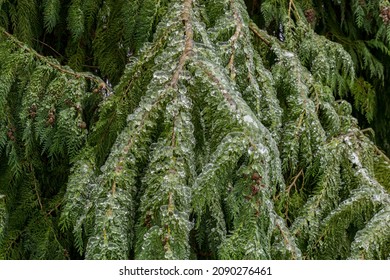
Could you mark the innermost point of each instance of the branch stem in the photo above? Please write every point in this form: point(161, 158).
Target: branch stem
point(53, 65)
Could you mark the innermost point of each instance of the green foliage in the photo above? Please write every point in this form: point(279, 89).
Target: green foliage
point(221, 138)
point(3, 215)
point(42, 127)
point(51, 13)
point(362, 28)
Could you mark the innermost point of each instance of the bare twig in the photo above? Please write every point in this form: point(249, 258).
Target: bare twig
point(294, 182)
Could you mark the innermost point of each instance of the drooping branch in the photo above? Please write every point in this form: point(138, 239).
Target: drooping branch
point(45, 60)
point(188, 45)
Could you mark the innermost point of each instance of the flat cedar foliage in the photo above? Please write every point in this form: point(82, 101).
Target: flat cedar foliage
point(194, 129)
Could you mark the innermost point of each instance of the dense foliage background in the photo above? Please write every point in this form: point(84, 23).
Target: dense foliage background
point(194, 129)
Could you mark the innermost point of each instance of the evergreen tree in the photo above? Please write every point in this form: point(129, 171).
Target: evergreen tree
point(188, 129)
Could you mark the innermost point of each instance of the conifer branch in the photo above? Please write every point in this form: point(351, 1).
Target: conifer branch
point(294, 181)
point(38, 196)
point(234, 38)
point(257, 32)
point(379, 152)
point(58, 67)
point(48, 46)
point(189, 35)
point(36, 187)
point(292, 7)
point(287, 242)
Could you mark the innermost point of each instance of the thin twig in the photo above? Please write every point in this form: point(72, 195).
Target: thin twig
point(36, 187)
point(55, 208)
point(255, 30)
point(382, 154)
point(291, 6)
point(368, 129)
point(55, 66)
point(293, 183)
point(50, 47)
point(289, 9)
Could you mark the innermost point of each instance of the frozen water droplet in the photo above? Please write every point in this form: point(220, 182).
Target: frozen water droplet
point(248, 119)
point(288, 54)
point(161, 76)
